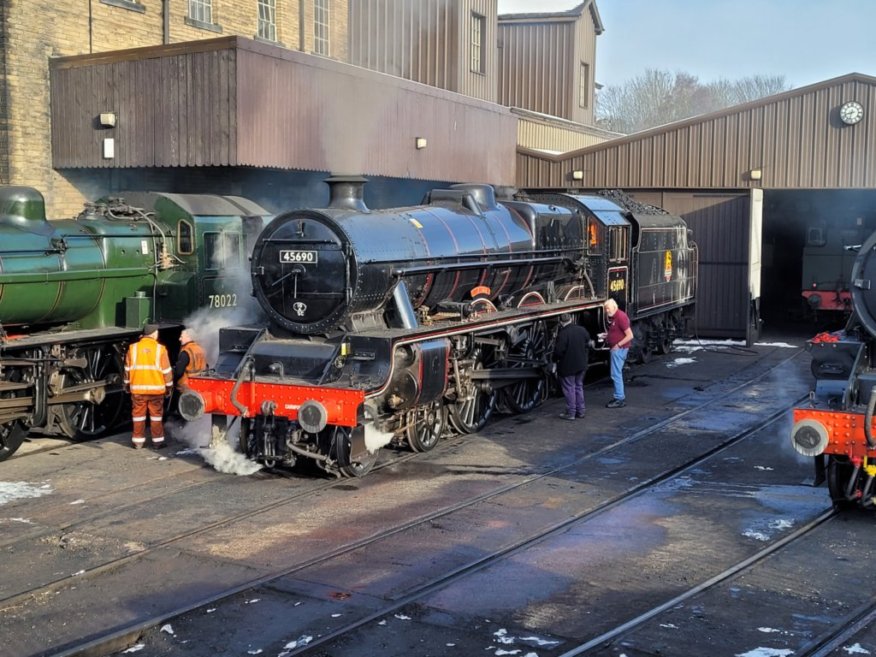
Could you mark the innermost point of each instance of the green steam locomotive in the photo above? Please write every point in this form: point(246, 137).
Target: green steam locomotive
point(75, 293)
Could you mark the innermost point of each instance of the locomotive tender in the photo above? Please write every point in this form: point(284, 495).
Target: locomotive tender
point(391, 324)
point(838, 421)
point(74, 293)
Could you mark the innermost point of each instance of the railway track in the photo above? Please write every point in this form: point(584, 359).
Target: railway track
point(520, 480)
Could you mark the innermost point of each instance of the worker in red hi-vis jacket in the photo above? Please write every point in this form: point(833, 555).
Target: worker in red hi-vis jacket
point(149, 379)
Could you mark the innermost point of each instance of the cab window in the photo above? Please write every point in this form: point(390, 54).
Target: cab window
point(221, 250)
point(185, 238)
point(619, 243)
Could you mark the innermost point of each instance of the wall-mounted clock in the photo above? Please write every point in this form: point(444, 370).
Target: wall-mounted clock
point(851, 112)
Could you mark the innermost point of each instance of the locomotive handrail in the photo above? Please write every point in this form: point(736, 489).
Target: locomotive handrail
point(478, 263)
point(60, 276)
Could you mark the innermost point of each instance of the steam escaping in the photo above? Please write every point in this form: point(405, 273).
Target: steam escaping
point(232, 305)
point(218, 453)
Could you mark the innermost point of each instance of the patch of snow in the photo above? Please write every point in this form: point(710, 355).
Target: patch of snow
point(211, 610)
point(251, 602)
point(135, 648)
point(538, 641)
point(501, 651)
point(26, 521)
point(77, 573)
point(301, 641)
point(336, 615)
point(402, 617)
point(254, 652)
point(669, 626)
point(20, 490)
point(766, 652)
point(168, 629)
point(680, 361)
point(783, 345)
point(763, 467)
point(383, 622)
point(856, 649)
point(767, 630)
point(77, 502)
point(756, 535)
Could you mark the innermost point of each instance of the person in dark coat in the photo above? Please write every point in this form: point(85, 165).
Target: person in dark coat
point(571, 353)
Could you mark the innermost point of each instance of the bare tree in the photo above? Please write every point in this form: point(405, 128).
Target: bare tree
point(658, 97)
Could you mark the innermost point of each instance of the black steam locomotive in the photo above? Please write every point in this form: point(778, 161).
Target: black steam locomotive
point(838, 421)
point(386, 325)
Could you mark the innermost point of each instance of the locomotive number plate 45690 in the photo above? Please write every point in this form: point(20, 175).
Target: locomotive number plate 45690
point(304, 257)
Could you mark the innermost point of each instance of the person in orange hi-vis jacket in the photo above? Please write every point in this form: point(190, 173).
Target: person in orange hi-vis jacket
point(192, 360)
point(149, 378)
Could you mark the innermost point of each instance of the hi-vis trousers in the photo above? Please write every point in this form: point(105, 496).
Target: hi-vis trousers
point(153, 406)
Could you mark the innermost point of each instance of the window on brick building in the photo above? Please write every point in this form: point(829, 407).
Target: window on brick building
point(201, 10)
point(321, 27)
point(478, 26)
point(268, 20)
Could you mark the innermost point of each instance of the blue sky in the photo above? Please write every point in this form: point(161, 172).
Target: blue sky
point(804, 40)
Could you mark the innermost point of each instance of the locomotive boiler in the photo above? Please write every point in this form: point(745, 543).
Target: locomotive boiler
point(836, 426)
point(75, 292)
point(398, 324)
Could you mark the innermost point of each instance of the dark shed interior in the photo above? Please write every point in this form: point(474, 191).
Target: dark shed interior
point(809, 245)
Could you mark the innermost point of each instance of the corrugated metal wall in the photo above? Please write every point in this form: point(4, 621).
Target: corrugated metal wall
point(347, 119)
point(585, 52)
point(170, 111)
point(536, 66)
point(426, 41)
point(478, 85)
point(556, 138)
point(237, 102)
point(795, 139)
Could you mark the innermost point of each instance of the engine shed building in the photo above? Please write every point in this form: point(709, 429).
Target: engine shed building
point(774, 191)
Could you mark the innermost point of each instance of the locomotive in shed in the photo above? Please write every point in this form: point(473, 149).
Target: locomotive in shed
point(74, 293)
point(398, 324)
point(829, 254)
point(836, 426)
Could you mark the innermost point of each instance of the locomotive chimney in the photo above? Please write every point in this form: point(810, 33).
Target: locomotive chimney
point(347, 192)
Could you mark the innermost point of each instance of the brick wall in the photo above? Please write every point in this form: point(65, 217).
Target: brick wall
point(32, 31)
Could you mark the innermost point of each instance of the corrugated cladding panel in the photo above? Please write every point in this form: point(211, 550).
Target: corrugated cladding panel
point(170, 111)
point(427, 41)
point(536, 134)
point(478, 85)
point(237, 102)
point(534, 66)
point(585, 51)
point(795, 139)
point(322, 115)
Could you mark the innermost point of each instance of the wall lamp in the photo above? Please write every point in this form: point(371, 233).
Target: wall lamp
point(755, 174)
point(577, 174)
point(421, 143)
